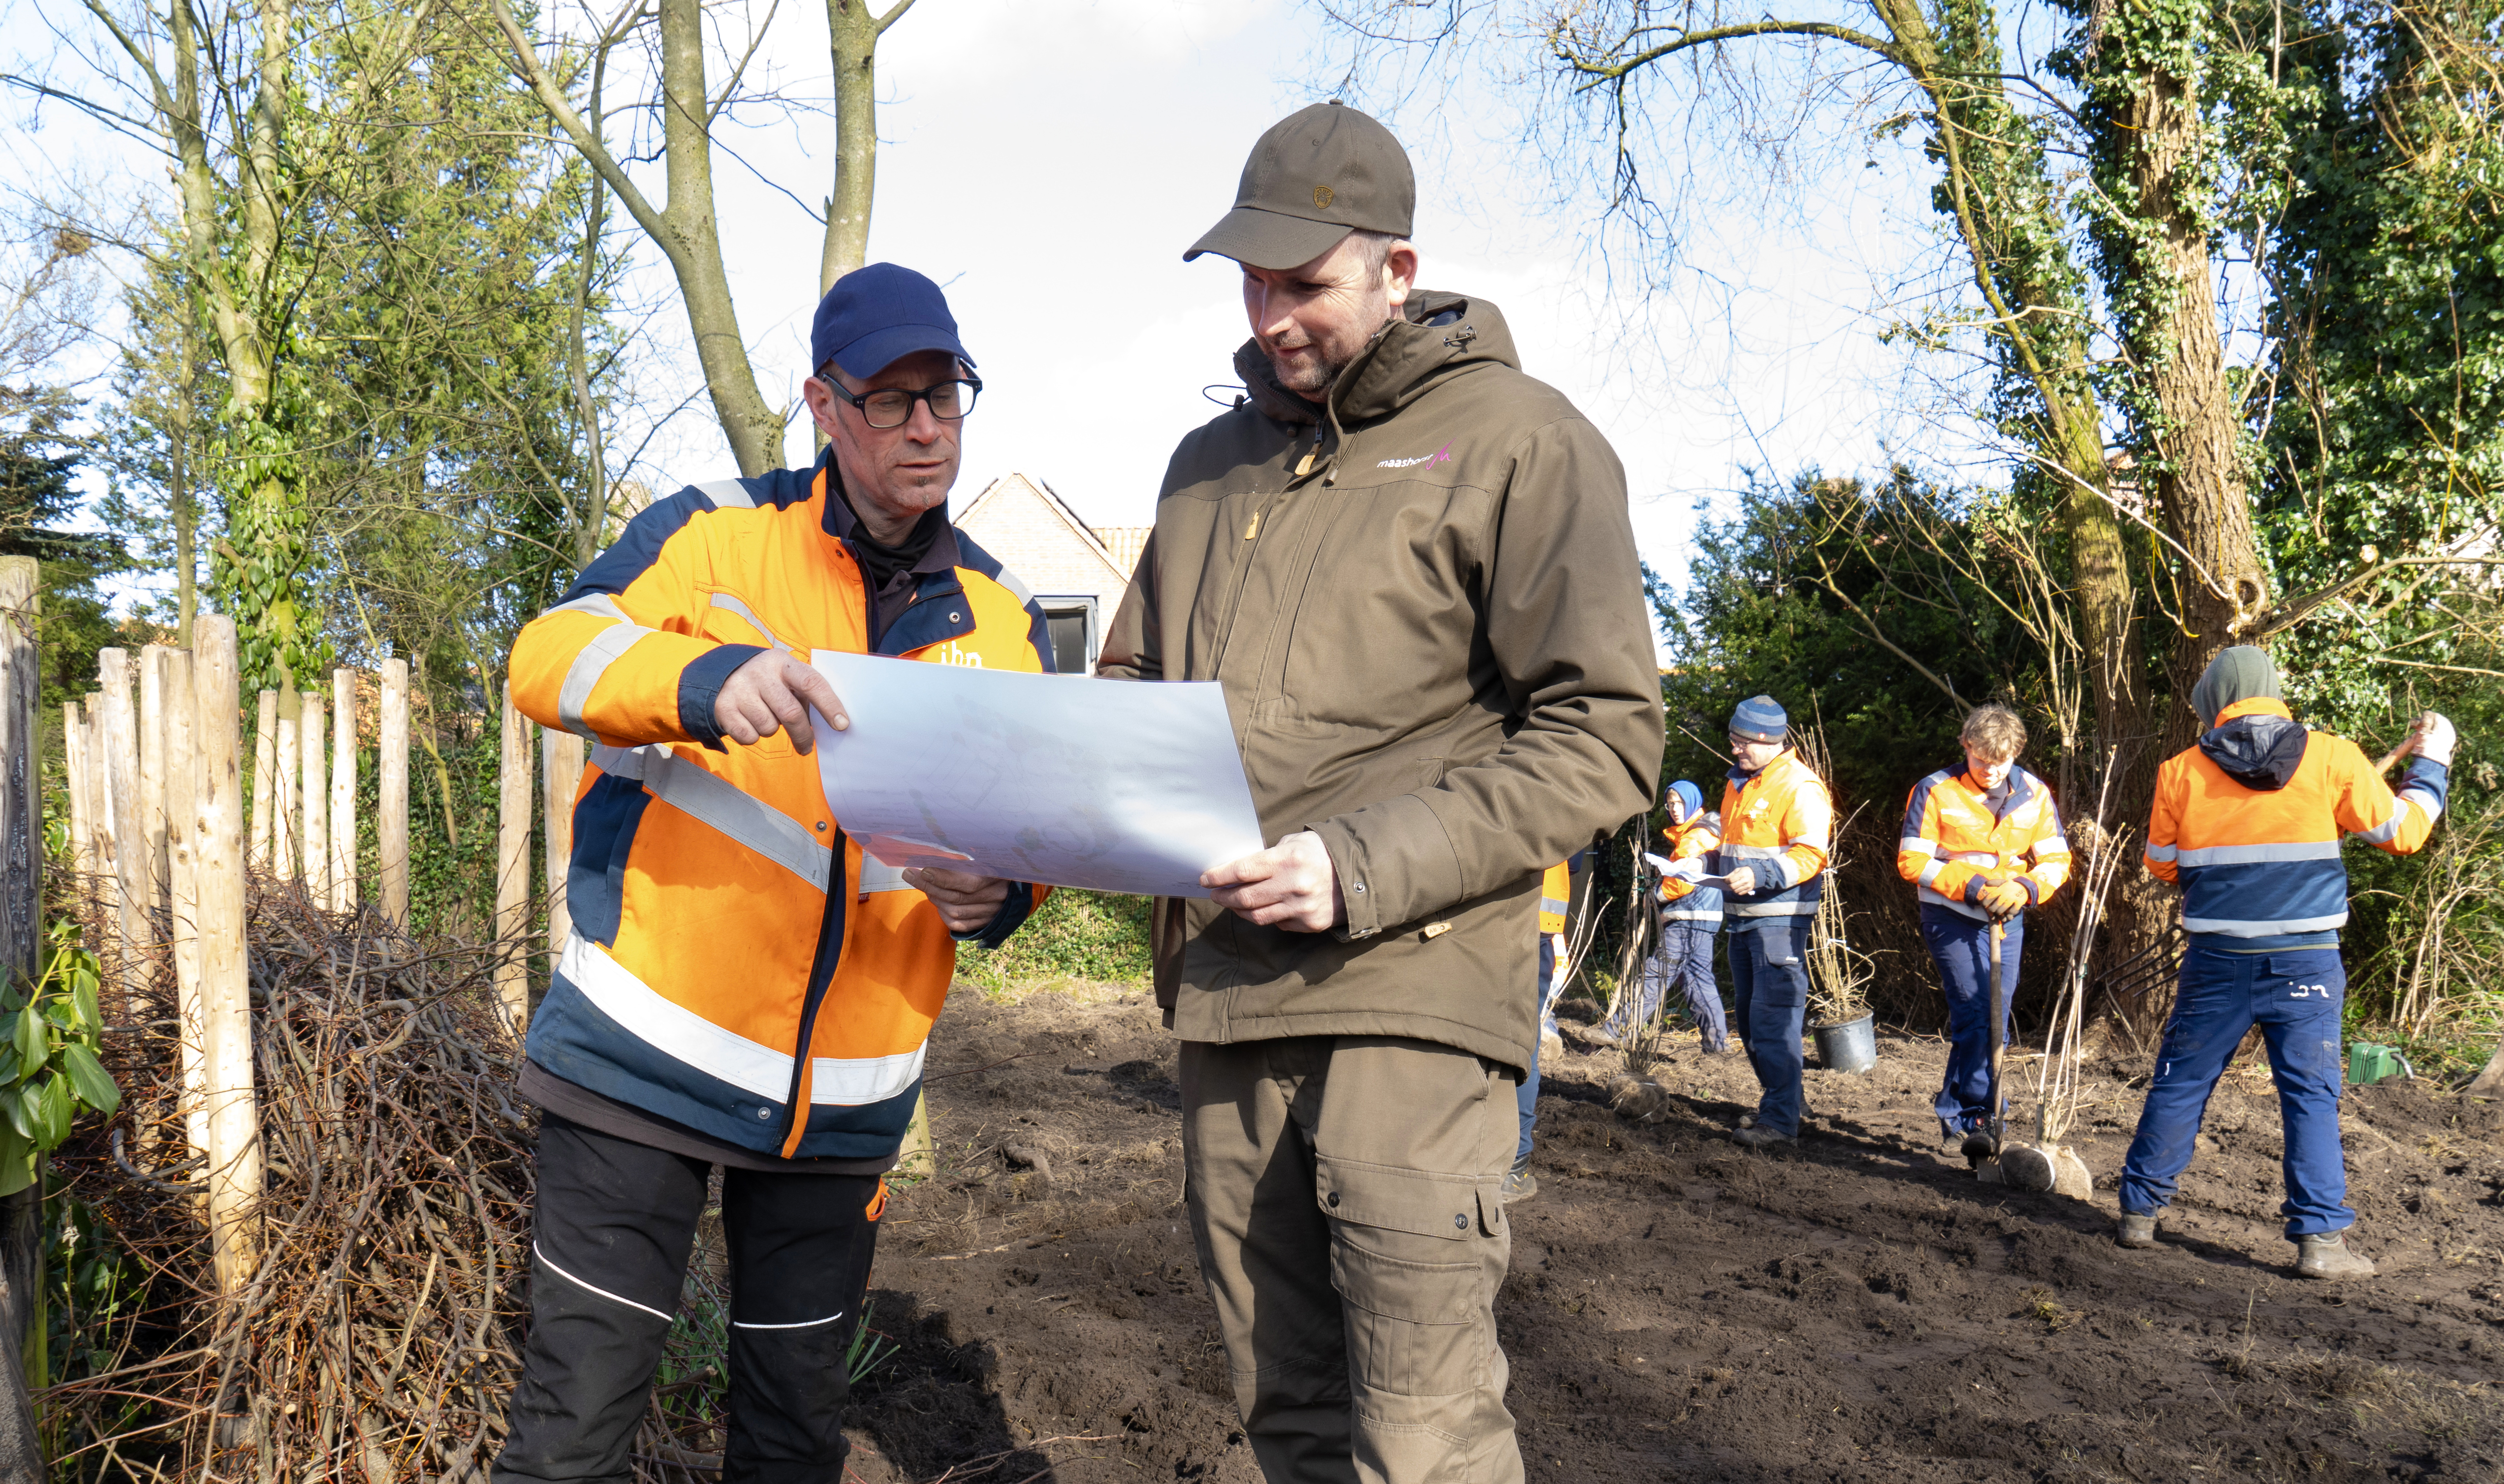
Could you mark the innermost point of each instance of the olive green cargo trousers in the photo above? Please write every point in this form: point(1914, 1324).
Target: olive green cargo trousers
point(1344, 1197)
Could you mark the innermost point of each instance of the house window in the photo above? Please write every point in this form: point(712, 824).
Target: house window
point(1071, 623)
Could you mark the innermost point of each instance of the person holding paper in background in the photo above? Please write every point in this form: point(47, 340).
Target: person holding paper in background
point(744, 988)
point(1410, 567)
point(1691, 918)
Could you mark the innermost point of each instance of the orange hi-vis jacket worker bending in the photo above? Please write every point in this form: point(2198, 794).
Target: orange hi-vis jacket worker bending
point(1953, 840)
point(2257, 857)
point(737, 964)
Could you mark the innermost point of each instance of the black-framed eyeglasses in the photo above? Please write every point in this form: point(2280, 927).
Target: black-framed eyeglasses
point(892, 407)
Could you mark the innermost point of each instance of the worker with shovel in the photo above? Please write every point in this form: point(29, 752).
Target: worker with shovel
point(2247, 822)
point(1981, 843)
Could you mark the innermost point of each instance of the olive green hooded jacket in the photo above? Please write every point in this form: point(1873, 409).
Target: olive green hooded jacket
point(1424, 604)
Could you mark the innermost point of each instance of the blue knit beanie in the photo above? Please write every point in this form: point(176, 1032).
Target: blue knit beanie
point(1760, 718)
point(1690, 796)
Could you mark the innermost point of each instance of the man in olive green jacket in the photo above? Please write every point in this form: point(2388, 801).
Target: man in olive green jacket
point(1410, 567)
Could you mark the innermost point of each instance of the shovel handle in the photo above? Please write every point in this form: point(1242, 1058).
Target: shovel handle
point(1998, 998)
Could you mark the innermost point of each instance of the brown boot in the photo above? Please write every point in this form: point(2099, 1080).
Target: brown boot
point(2327, 1254)
point(2138, 1232)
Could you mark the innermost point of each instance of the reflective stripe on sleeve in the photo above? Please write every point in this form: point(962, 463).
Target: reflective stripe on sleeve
point(2422, 800)
point(2160, 852)
point(1930, 873)
point(1754, 852)
point(2234, 927)
point(2245, 855)
point(1918, 844)
point(728, 494)
point(686, 1036)
point(582, 677)
point(705, 796)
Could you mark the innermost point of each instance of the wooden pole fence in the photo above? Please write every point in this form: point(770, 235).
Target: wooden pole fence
point(343, 791)
point(286, 862)
point(315, 796)
point(21, 896)
point(265, 761)
point(125, 840)
point(392, 784)
point(513, 868)
point(224, 977)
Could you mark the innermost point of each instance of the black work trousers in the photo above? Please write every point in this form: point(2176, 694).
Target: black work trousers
point(610, 1230)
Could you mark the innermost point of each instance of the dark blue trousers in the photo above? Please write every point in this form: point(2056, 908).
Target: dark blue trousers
point(1960, 945)
point(1685, 960)
point(1528, 1093)
point(2295, 996)
point(1769, 971)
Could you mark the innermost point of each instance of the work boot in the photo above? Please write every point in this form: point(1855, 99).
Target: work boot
point(1753, 1137)
point(2327, 1254)
point(1518, 1183)
point(2138, 1232)
point(1976, 1147)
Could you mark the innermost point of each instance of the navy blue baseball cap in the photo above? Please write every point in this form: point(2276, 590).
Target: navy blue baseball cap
point(874, 317)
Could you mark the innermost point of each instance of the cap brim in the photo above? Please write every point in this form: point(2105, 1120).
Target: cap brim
point(1265, 239)
point(880, 349)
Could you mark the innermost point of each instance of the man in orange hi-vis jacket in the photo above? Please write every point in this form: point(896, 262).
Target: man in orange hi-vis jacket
point(1777, 831)
point(1981, 843)
point(743, 987)
point(2248, 824)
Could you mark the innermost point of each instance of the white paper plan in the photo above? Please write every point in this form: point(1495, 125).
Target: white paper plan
point(1103, 785)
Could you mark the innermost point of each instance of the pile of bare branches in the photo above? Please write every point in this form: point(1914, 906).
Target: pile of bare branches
point(378, 1336)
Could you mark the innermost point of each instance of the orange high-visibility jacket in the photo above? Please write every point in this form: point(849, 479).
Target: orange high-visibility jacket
point(1952, 841)
point(1685, 901)
point(2257, 855)
point(1780, 821)
point(708, 950)
point(1555, 898)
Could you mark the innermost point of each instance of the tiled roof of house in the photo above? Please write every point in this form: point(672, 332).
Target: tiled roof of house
point(1124, 542)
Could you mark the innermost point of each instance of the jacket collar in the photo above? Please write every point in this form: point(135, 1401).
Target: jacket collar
point(1439, 334)
point(2257, 706)
point(1772, 765)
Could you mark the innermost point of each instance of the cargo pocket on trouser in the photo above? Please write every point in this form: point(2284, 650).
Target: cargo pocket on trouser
point(1415, 1258)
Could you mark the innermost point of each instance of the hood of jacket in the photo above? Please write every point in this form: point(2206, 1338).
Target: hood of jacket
point(1439, 334)
point(2257, 745)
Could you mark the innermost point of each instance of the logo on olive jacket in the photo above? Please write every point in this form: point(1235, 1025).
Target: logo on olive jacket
point(1323, 195)
point(1442, 455)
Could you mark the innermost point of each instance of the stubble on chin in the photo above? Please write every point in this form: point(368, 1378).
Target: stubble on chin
point(1306, 378)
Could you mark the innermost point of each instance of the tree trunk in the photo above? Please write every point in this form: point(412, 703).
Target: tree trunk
point(852, 34)
point(754, 429)
point(2198, 478)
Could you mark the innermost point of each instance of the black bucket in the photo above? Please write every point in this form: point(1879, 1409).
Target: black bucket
point(1848, 1045)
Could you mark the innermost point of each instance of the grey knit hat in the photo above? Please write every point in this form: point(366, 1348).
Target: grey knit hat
point(2239, 674)
point(1760, 718)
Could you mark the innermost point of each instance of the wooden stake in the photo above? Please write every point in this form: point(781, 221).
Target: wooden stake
point(21, 790)
point(183, 725)
point(225, 985)
point(82, 825)
point(392, 852)
point(286, 827)
point(265, 759)
point(126, 840)
point(343, 790)
point(314, 839)
point(99, 899)
point(155, 871)
point(513, 871)
point(561, 758)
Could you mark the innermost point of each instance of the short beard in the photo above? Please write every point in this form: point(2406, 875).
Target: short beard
point(1311, 382)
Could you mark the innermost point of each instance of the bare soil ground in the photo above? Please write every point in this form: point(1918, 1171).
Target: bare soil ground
point(1859, 1309)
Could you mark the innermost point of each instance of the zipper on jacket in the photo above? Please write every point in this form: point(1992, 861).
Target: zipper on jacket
point(821, 978)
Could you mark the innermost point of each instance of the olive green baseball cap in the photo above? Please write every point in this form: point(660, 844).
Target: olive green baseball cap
point(1317, 175)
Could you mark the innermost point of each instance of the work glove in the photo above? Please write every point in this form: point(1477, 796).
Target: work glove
point(2005, 900)
point(2436, 741)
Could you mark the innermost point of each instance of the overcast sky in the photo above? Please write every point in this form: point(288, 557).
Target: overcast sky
point(1048, 161)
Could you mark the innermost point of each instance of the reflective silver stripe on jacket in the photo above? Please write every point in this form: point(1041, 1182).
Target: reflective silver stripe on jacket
point(736, 605)
point(702, 794)
point(1918, 844)
point(1953, 904)
point(1754, 852)
point(1787, 908)
point(1929, 874)
point(727, 494)
point(2233, 928)
point(2422, 800)
point(1692, 915)
point(2160, 852)
point(582, 677)
point(2246, 855)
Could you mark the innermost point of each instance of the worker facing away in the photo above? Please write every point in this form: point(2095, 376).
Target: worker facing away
point(1777, 829)
point(1410, 568)
point(1689, 917)
point(1981, 843)
point(2247, 822)
point(743, 987)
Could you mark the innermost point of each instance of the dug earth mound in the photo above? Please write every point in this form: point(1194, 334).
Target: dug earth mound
point(1856, 1309)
